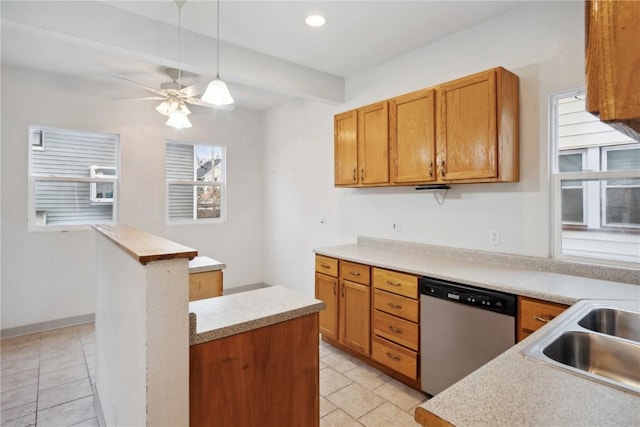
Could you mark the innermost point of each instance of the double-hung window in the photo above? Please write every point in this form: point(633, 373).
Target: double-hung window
point(595, 186)
point(195, 182)
point(73, 178)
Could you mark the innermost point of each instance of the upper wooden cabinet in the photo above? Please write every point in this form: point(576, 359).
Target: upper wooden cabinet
point(345, 128)
point(412, 137)
point(361, 141)
point(461, 131)
point(478, 128)
point(613, 61)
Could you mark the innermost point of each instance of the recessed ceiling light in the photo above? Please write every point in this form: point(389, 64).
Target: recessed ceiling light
point(315, 20)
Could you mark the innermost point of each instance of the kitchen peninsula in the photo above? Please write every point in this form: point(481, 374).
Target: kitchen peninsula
point(242, 357)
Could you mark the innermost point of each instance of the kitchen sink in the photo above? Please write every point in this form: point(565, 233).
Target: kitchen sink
point(599, 340)
point(619, 323)
point(599, 355)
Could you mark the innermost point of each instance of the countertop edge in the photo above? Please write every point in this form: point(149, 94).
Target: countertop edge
point(142, 246)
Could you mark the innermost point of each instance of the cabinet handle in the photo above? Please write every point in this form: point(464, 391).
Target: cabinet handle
point(546, 319)
point(354, 273)
point(355, 177)
point(325, 266)
point(395, 330)
point(443, 169)
point(361, 175)
point(389, 282)
point(431, 169)
point(392, 356)
point(334, 288)
point(342, 287)
point(396, 306)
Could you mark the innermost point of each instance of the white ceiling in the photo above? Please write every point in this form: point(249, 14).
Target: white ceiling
point(270, 53)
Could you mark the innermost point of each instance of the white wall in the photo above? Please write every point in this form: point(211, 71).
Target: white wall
point(542, 43)
point(49, 275)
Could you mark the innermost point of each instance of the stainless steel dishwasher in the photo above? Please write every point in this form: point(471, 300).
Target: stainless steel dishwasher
point(461, 329)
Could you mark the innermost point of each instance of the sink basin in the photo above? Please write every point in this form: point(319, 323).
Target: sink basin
point(599, 355)
point(621, 324)
point(599, 340)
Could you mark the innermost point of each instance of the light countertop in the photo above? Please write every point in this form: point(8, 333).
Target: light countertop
point(512, 390)
point(202, 264)
point(215, 318)
point(530, 282)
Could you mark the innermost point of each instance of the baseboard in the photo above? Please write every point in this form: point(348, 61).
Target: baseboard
point(251, 287)
point(45, 326)
point(98, 406)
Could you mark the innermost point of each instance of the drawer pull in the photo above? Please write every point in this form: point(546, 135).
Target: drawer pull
point(395, 330)
point(545, 319)
point(389, 282)
point(325, 266)
point(354, 273)
point(392, 356)
point(396, 306)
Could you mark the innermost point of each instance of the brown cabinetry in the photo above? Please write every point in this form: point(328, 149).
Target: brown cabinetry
point(395, 321)
point(361, 146)
point(203, 285)
point(344, 288)
point(613, 62)
point(412, 138)
point(478, 128)
point(534, 313)
point(465, 130)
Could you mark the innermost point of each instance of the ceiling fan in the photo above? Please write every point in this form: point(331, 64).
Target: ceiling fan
point(174, 96)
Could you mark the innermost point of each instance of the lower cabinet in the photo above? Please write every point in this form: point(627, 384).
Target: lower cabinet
point(371, 313)
point(534, 314)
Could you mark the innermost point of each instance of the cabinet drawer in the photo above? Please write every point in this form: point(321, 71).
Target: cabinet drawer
point(398, 283)
point(397, 305)
point(535, 313)
point(395, 329)
point(395, 357)
point(326, 265)
point(353, 272)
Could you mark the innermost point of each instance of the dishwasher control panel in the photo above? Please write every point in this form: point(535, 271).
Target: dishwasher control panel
point(498, 302)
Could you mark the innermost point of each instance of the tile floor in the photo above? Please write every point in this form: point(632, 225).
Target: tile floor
point(354, 394)
point(46, 380)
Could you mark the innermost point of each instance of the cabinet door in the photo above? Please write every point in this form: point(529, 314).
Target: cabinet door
point(345, 128)
point(355, 316)
point(412, 140)
point(612, 59)
point(327, 291)
point(373, 143)
point(468, 144)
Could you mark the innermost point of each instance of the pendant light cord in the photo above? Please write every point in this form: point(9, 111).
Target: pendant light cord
point(218, 41)
point(179, 46)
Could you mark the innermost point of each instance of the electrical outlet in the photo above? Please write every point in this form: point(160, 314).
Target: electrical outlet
point(397, 227)
point(494, 237)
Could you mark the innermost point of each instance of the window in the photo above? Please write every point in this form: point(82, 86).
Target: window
point(73, 178)
point(195, 182)
point(595, 186)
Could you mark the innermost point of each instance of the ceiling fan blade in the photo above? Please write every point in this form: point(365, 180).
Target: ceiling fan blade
point(201, 103)
point(194, 89)
point(139, 85)
point(144, 98)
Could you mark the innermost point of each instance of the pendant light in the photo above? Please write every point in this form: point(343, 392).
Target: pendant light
point(217, 92)
point(175, 107)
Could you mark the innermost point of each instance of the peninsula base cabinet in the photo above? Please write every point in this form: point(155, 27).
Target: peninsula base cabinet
point(372, 314)
point(534, 314)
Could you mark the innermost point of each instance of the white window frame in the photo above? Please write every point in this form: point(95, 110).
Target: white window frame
point(603, 196)
point(555, 187)
point(221, 184)
point(33, 215)
point(583, 187)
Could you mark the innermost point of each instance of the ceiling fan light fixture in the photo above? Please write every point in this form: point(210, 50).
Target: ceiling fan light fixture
point(178, 120)
point(217, 93)
point(184, 108)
